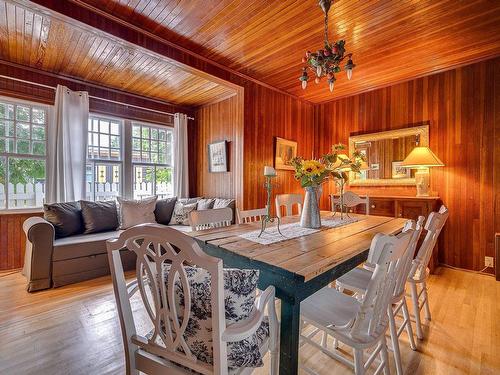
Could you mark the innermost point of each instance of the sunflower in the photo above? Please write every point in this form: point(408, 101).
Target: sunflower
point(312, 167)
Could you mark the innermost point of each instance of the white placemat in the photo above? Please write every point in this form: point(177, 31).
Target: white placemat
point(292, 230)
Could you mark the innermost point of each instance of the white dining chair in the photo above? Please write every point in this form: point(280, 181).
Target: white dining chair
point(420, 272)
point(360, 324)
point(350, 200)
point(357, 281)
point(288, 201)
point(250, 216)
point(206, 219)
point(167, 297)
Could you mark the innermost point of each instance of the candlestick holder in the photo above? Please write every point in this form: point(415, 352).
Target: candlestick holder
point(268, 218)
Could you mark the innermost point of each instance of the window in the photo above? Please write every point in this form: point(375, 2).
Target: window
point(152, 161)
point(23, 144)
point(104, 158)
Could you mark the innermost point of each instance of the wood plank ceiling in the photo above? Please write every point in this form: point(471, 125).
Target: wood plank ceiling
point(54, 44)
point(392, 41)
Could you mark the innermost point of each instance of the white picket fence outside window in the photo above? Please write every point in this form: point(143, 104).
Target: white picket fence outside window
point(33, 195)
point(23, 195)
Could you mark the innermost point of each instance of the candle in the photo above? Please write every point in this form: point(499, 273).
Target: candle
point(269, 171)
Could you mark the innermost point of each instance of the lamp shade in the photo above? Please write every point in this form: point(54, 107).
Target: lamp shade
point(269, 171)
point(422, 156)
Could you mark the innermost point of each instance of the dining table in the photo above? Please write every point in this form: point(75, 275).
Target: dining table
point(297, 267)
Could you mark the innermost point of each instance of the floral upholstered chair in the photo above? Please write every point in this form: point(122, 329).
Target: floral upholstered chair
point(205, 318)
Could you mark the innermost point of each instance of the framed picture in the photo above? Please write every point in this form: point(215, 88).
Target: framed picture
point(374, 166)
point(284, 151)
point(217, 157)
point(398, 171)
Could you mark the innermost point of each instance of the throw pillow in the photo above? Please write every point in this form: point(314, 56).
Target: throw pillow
point(181, 213)
point(164, 209)
point(134, 212)
point(189, 200)
point(223, 202)
point(99, 216)
point(205, 204)
point(239, 297)
point(65, 217)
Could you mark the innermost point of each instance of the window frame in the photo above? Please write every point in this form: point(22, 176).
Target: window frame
point(153, 165)
point(8, 155)
point(107, 162)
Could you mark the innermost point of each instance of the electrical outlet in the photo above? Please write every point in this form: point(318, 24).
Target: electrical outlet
point(488, 262)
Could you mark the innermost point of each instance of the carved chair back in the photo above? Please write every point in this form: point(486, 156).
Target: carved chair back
point(162, 257)
point(389, 252)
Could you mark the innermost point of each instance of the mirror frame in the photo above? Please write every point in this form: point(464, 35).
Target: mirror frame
point(422, 130)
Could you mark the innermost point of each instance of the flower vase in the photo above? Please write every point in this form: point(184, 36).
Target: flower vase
point(310, 217)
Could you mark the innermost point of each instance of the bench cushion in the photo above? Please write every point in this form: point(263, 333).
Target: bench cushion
point(82, 245)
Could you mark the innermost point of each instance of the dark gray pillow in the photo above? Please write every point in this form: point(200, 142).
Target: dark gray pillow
point(164, 209)
point(99, 216)
point(65, 217)
point(205, 204)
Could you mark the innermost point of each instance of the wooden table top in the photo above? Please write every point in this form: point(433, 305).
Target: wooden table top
point(306, 256)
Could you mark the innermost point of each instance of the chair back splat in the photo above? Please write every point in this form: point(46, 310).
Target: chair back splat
point(434, 224)
point(163, 254)
point(207, 219)
point(389, 252)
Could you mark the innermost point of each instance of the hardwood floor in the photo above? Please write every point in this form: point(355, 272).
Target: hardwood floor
point(75, 329)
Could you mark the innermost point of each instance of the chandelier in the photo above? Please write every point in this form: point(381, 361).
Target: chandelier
point(326, 62)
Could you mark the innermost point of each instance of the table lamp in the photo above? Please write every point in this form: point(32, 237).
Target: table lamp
point(422, 158)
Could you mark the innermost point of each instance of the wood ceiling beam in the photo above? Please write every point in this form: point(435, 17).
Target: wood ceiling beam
point(191, 61)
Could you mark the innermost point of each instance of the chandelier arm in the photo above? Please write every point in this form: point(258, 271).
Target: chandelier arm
point(326, 28)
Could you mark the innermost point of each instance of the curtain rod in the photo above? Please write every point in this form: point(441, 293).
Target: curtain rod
point(93, 97)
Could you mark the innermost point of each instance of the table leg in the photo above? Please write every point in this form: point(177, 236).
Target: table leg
point(289, 338)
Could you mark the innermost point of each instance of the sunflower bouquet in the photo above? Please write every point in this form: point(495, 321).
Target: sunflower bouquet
point(334, 164)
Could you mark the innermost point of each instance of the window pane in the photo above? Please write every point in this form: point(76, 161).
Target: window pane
point(39, 148)
point(104, 140)
point(164, 187)
point(154, 133)
point(115, 141)
point(38, 132)
point(136, 144)
point(143, 181)
point(107, 179)
point(104, 153)
point(95, 125)
point(23, 146)
point(115, 154)
point(2, 144)
point(3, 186)
point(26, 183)
point(104, 126)
point(38, 116)
point(136, 131)
point(9, 128)
point(22, 130)
point(115, 128)
point(22, 113)
point(89, 179)
point(145, 132)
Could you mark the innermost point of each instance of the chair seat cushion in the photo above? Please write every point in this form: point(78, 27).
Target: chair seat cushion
point(240, 288)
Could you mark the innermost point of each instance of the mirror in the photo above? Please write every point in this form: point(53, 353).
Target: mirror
point(384, 152)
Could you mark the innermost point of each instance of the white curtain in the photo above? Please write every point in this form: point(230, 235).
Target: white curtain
point(67, 149)
point(181, 166)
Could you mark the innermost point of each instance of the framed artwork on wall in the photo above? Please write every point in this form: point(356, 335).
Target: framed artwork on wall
point(217, 157)
point(398, 171)
point(284, 151)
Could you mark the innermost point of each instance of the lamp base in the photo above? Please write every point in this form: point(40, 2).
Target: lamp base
point(422, 182)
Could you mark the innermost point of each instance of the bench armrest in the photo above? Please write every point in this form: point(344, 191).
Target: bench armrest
point(38, 256)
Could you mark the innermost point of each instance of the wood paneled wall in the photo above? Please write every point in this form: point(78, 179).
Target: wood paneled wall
point(270, 114)
point(222, 121)
point(463, 108)
point(12, 240)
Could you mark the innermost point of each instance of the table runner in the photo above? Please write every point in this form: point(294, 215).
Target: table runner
point(294, 230)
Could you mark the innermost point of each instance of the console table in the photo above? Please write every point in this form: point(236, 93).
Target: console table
point(407, 207)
